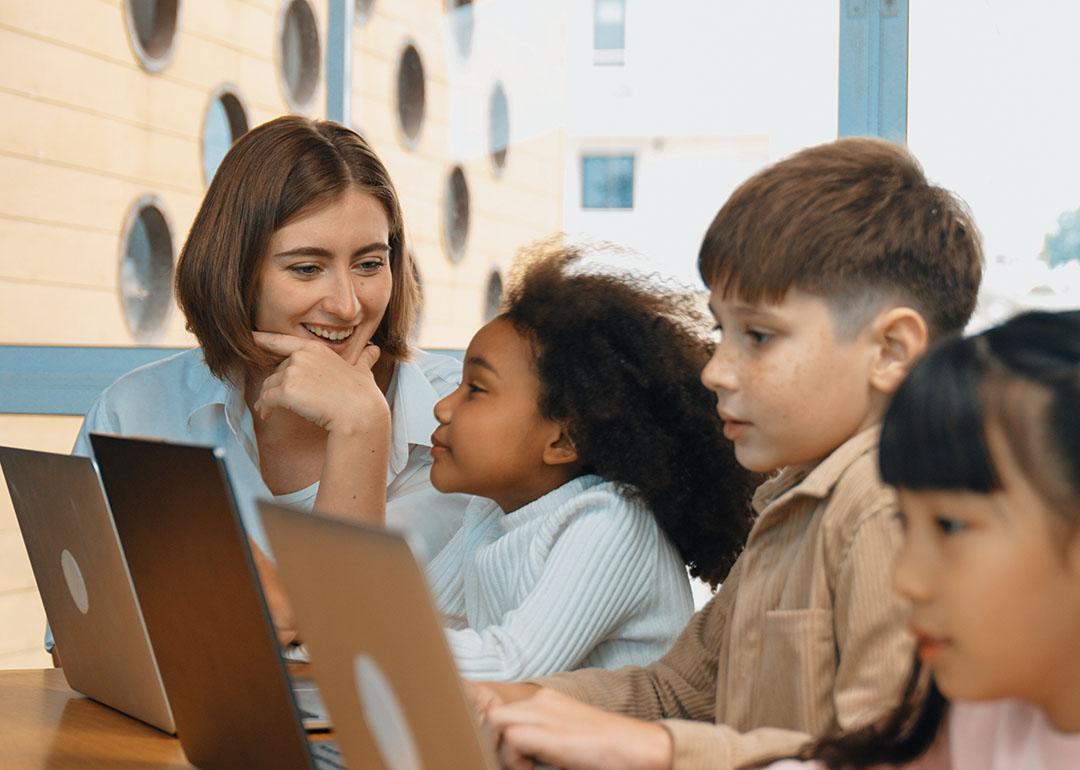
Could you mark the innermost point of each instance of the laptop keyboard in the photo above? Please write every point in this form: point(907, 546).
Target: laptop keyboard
point(327, 755)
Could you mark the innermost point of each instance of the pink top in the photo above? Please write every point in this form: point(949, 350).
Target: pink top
point(995, 735)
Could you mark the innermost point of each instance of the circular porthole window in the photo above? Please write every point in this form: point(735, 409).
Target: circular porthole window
point(493, 296)
point(146, 268)
point(299, 54)
point(410, 94)
point(224, 123)
point(498, 128)
point(152, 26)
point(460, 13)
point(362, 11)
point(456, 214)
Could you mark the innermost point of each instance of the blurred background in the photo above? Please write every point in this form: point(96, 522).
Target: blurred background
point(501, 122)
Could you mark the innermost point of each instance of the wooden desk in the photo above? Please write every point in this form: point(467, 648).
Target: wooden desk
point(46, 724)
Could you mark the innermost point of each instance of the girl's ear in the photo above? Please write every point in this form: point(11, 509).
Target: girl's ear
point(900, 337)
point(560, 450)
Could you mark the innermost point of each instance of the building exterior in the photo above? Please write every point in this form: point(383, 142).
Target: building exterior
point(115, 115)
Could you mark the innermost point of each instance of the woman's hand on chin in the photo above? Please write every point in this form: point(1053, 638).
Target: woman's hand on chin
point(337, 393)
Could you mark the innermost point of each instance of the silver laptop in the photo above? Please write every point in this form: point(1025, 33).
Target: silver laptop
point(84, 583)
point(377, 646)
point(205, 613)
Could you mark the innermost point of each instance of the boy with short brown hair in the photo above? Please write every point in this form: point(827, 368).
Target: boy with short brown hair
point(830, 272)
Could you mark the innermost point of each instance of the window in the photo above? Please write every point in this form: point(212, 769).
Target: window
point(460, 16)
point(609, 31)
point(146, 269)
point(363, 10)
point(410, 95)
point(224, 123)
point(456, 215)
point(151, 26)
point(493, 296)
point(299, 54)
point(498, 128)
point(607, 182)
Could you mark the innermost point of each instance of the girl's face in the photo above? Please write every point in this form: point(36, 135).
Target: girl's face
point(491, 440)
point(326, 274)
point(994, 580)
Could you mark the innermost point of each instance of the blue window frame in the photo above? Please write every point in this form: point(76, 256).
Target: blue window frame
point(607, 182)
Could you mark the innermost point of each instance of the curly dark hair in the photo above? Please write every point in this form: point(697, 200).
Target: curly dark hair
point(618, 359)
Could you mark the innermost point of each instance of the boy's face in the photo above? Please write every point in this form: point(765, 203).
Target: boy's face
point(788, 390)
point(491, 436)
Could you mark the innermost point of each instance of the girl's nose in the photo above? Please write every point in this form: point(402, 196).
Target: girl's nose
point(444, 407)
point(911, 572)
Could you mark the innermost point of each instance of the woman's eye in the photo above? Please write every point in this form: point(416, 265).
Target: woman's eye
point(949, 526)
point(369, 265)
point(474, 388)
point(304, 270)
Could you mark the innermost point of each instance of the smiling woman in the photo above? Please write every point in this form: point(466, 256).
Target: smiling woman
point(296, 281)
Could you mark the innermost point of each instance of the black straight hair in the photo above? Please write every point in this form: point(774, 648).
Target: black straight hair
point(934, 438)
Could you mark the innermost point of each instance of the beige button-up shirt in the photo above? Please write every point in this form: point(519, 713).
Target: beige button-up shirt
point(805, 635)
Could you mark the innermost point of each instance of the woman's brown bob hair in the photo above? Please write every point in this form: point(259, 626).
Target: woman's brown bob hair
point(271, 175)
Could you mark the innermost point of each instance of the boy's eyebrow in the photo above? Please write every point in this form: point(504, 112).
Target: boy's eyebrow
point(315, 251)
point(483, 363)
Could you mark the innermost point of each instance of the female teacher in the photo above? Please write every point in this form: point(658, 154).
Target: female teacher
point(297, 284)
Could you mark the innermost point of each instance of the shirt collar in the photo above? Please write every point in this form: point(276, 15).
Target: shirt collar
point(818, 480)
point(412, 412)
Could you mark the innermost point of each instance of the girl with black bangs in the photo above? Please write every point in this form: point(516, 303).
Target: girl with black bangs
point(580, 414)
point(983, 443)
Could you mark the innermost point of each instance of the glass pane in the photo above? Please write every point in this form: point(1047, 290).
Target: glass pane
point(609, 30)
point(217, 138)
point(992, 116)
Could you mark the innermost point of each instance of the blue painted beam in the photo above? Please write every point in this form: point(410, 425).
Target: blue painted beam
point(339, 61)
point(47, 379)
point(874, 68)
point(64, 380)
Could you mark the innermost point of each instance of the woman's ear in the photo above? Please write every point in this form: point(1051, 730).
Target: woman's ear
point(560, 450)
point(900, 338)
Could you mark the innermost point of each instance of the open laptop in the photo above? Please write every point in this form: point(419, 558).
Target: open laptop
point(377, 646)
point(205, 612)
point(84, 583)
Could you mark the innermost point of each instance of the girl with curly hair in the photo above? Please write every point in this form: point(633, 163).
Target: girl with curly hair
point(580, 416)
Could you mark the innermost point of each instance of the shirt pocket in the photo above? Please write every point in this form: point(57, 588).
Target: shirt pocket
point(798, 670)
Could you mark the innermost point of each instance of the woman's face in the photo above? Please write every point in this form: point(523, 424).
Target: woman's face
point(994, 582)
point(326, 274)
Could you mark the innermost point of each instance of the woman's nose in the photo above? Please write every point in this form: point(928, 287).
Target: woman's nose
point(341, 298)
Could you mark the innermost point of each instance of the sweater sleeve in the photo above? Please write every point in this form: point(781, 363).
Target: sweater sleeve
point(681, 685)
point(595, 576)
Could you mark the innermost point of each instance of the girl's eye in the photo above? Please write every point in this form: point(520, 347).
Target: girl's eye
point(304, 270)
point(901, 517)
point(474, 388)
point(949, 526)
point(758, 337)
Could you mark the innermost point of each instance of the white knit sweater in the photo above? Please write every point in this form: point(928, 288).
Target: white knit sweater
point(582, 577)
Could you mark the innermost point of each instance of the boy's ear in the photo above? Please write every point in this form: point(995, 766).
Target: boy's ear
point(560, 450)
point(900, 337)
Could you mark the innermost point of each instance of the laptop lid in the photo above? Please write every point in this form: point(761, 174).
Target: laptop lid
point(79, 567)
point(205, 612)
point(378, 651)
